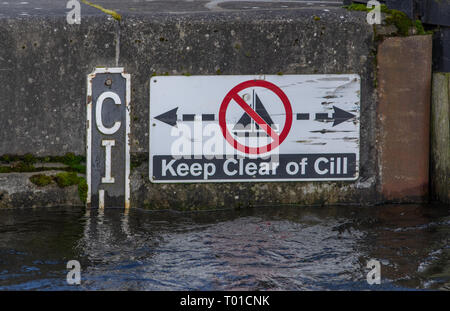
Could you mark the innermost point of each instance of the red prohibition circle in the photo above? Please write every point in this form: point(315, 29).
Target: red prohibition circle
point(232, 94)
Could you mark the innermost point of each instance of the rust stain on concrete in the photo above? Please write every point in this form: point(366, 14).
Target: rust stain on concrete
point(403, 125)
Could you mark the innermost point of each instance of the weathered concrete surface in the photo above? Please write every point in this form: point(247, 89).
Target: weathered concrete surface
point(43, 67)
point(293, 42)
point(404, 84)
point(440, 137)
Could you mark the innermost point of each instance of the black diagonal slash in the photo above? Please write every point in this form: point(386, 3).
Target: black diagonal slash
point(255, 116)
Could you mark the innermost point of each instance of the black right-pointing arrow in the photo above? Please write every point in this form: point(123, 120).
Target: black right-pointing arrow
point(338, 117)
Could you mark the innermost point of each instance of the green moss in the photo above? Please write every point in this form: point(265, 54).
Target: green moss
point(82, 189)
point(29, 158)
point(404, 24)
point(384, 9)
point(187, 74)
point(70, 159)
point(364, 8)
point(394, 17)
point(5, 158)
point(23, 167)
point(316, 18)
point(237, 46)
point(79, 168)
point(356, 7)
point(41, 180)
point(218, 72)
point(401, 21)
point(66, 179)
point(18, 167)
point(420, 29)
point(279, 73)
point(63, 180)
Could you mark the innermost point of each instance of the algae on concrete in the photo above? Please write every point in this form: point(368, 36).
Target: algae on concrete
point(41, 180)
point(28, 162)
point(63, 180)
point(66, 179)
point(405, 26)
point(82, 189)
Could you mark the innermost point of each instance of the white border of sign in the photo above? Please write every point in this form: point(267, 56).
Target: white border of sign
point(127, 77)
point(150, 169)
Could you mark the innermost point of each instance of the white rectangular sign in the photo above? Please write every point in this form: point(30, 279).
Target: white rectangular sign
point(254, 128)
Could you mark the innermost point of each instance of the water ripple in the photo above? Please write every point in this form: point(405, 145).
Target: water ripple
point(288, 248)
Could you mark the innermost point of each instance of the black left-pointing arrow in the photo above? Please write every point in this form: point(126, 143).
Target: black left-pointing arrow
point(169, 117)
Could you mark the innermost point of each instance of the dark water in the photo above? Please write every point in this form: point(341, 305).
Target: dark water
point(287, 248)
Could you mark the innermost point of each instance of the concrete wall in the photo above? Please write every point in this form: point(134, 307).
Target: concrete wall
point(44, 63)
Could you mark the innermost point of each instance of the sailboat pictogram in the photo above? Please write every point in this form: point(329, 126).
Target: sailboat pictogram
point(247, 127)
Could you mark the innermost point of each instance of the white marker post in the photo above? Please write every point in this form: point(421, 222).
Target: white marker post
point(108, 168)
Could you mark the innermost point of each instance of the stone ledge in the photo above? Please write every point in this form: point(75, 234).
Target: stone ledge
point(16, 190)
